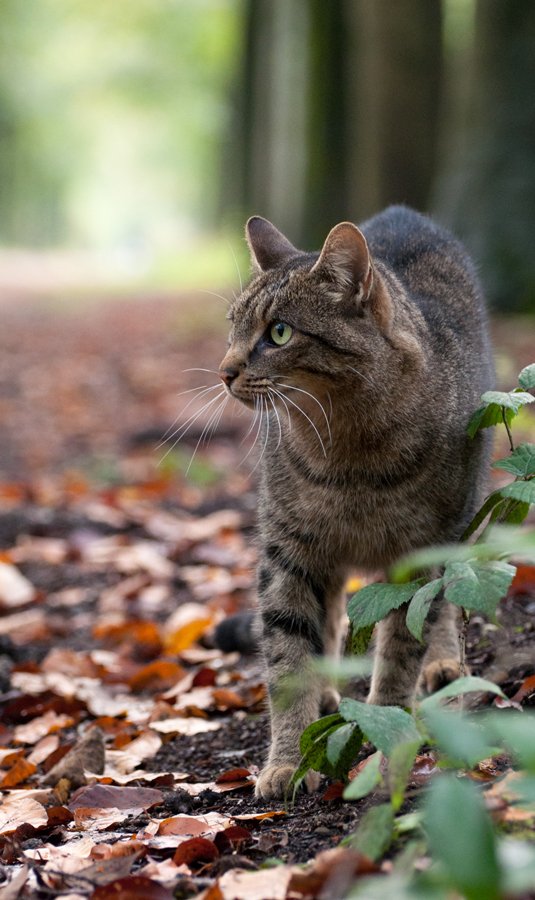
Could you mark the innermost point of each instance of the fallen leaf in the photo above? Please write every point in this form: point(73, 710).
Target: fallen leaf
point(104, 796)
point(332, 873)
point(195, 850)
point(42, 725)
point(156, 676)
point(233, 775)
point(43, 749)
point(185, 726)
point(525, 690)
point(16, 810)
point(12, 889)
point(87, 754)
point(15, 589)
point(71, 663)
point(132, 887)
point(97, 818)
point(193, 826)
point(259, 816)
point(270, 883)
point(20, 771)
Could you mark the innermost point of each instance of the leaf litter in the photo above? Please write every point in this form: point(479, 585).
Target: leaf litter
point(112, 576)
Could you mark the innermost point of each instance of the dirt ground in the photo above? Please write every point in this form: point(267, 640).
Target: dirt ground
point(113, 538)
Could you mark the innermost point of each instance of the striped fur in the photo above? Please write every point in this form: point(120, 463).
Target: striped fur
point(366, 455)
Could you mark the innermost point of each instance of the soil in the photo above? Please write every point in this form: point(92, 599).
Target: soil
point(84, 397)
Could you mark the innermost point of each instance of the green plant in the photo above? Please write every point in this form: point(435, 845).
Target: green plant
point(469, 855)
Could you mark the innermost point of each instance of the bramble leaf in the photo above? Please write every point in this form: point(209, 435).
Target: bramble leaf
point(419, 606)
point(464, 685)
point(375, 832)
point(509, 399)
point(343, 744)
point(477, 585)
point(526, 379)
point(375, 601)
point(368, 777)
point(461, 837)
point(487, 416)
point(520, 490)
point(520, 463)
point(384, 726)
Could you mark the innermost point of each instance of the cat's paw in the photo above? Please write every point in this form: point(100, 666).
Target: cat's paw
point(330, 700)
point(440, 672)
point(274, 781)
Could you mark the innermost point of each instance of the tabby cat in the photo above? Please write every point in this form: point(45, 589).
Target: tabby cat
point(366, 361)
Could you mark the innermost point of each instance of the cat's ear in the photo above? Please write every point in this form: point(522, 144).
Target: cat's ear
point(345, 260)
point(269, 248)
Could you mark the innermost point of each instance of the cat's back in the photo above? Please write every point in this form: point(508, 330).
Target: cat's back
point(441, 282)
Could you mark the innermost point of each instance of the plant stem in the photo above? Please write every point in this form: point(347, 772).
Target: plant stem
point(508, 430)
point(462, 646)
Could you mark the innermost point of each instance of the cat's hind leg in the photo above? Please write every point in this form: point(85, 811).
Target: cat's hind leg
point(442, 661)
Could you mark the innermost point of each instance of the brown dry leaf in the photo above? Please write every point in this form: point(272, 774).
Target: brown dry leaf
point(43, 749)
point(195, 850)
point(250, 817)
point(104, 795)
point(40, 549)
point(501, 798)
point(156, 676)
point(136, 631)
point(236, 884)
point(526, 689)
point(120, 848)
point(13, 887)
point(193, 826)
point(24, 626)
point(16, 810)
point(98, 818)
point(88, 754)
point(71, 663)
point(126, 760)
point(184, 637)
point(15, 589)
point(225, 699)
point(185, 726)
point(132, 887)
point(19, 772)
point(36, 729)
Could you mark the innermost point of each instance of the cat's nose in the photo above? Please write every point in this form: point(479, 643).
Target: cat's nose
point(228, 375)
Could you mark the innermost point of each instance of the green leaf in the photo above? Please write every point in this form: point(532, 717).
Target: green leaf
point(464, 685)
point(526, 379)
point(368, 777)
point(511, 512)
point(419, 606)
point(482, 514)
point(463, 740)
point(399, 768)
point(358, 639)
point(318, 728)
point(510, 399)
point(375, 832)
point(520, 490)
point(477, 585)
point(384, 726)
point(375, 601)
point(343, 744)
point(487, 417)
point(315, 756)
point(520, 463)
point(461, 838)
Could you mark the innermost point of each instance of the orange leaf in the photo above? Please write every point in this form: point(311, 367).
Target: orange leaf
point(132, 887)
point(186, 636)
point(526, 688)
point(225, 699)
point(156, 676)
point(524, 581)
point(233, 775)
point(139, 632)
point(18, 773)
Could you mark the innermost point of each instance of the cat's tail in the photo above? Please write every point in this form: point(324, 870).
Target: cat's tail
point(237, 633)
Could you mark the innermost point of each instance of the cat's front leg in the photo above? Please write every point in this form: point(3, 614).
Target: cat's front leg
point(292, 607)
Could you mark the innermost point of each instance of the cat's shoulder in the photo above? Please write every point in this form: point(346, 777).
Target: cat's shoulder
point(400, 230)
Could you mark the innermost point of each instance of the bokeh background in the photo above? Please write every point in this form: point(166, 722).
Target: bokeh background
point(136, 138)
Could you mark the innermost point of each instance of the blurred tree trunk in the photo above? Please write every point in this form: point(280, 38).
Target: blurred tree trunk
point(396, 86)
point(487, 193)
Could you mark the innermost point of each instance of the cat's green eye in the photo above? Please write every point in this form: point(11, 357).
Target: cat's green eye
point(280, 333)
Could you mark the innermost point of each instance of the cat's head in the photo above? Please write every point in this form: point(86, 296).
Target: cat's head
point(305, 318)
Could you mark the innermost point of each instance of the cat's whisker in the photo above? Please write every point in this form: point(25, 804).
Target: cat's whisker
point(214, 294)
point(237, 266)
point(211, 371)
point(271, 400)
point(182, 431)
point(253, 422)
point(361, 375)
point(201, 393)
point(308, 419)
point(257, 418)
point(312, 397)
point(210, 426)
point(266, 411)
